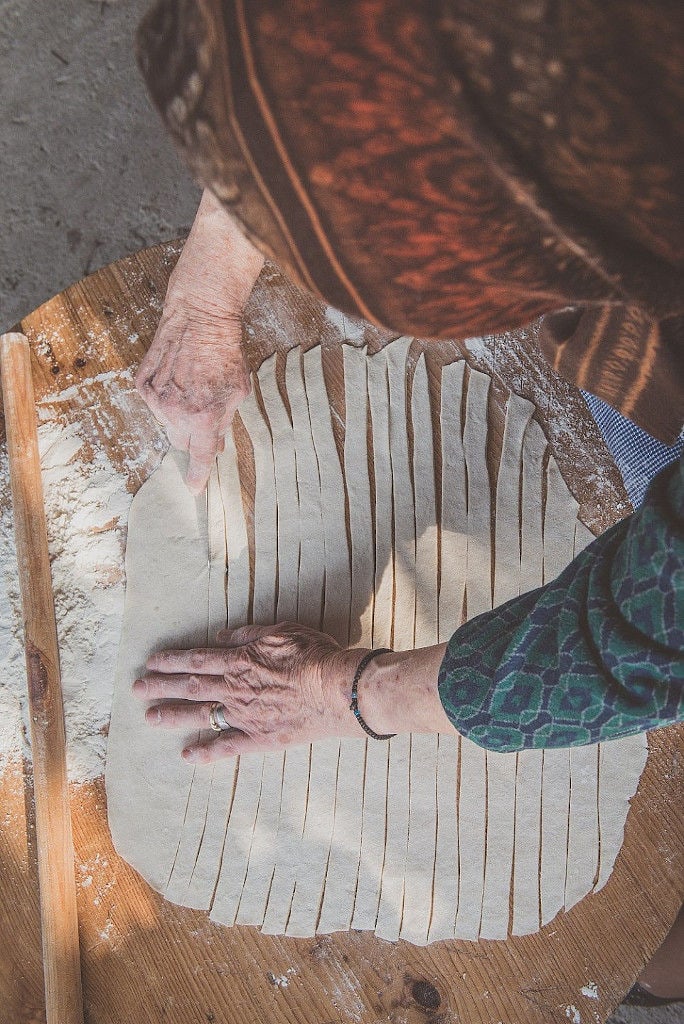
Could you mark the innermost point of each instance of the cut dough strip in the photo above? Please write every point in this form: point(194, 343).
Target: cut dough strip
point(295, 789)
point(532, 552)
point(229, 887)
point(454, 503)
point(528, 806)
point(403, 620)
point(337, 585)
point(422, 840)
point(560, 519)
point(378, 393)
point(426, 596)
point(358, 496)
point(446, 872)
point(501, 790)
point(373, 836)
point(583, 834)
point(345, 849)
point(555, 812)
point(312, 552)
point(621, 763)
point(237, 543)
point(560, 515)
point(265, 514)
point(396, 840)
point(287, 499)
point(508, 488)
point(479, 555)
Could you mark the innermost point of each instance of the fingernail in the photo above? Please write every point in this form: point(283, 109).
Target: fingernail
point(153, 716)
point(189, 754)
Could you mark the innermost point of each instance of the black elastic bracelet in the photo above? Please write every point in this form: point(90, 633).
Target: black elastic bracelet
point(354, 706)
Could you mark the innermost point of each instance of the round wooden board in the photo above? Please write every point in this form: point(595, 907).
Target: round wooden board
point(144, 958)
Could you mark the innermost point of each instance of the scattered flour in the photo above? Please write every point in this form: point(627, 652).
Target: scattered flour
point(281, 980)
point(351, 329)
point(481, 348)
point(590, 990)
point(87, 506)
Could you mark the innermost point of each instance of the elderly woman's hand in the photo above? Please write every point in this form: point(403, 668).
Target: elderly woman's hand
point(288, 684)
point(194, 375)
point(279, 685)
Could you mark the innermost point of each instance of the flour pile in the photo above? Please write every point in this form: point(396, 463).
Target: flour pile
point(87, 506)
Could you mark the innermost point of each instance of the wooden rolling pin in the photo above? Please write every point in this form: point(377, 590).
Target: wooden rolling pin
point(58, 915)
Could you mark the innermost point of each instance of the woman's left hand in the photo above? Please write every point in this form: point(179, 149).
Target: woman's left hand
point(279, 685)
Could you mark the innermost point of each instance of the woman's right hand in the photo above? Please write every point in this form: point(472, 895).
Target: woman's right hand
point(195, 374)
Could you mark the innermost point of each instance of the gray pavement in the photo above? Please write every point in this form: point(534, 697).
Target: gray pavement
point(87, 173)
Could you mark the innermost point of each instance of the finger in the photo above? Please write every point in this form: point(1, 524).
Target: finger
point(197, 478)
point(202, 449)
point(196, 660)
point(243, 635)
point(226, 744)
point(190, 687)
point(182, 715)
point(147, 369)
point(178, 437)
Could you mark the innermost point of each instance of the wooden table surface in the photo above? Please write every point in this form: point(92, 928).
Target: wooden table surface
point(145, 959)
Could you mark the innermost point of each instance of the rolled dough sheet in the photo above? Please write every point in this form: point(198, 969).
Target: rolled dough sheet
point(420, 838)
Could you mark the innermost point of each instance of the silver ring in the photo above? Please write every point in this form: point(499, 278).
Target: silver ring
point(217, 718)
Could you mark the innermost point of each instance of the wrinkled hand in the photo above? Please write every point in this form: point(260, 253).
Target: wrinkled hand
point(279, 685)
point(195, 374)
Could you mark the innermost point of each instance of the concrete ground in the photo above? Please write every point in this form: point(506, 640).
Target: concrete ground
point(88, 174)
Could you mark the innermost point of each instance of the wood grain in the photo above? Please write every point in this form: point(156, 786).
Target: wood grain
point(58, 914)
point(146, 958)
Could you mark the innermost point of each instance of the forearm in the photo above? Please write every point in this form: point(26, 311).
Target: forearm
point(219, 264)
point(398, 691)
point(594, 655)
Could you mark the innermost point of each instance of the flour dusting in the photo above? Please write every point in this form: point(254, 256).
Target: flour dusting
point(351, 329)
point(86, 504)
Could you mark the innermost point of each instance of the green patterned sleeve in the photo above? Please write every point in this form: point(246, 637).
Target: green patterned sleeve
point(594, 655)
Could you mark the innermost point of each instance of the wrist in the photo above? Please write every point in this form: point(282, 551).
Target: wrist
point(399, 692)
point(338, 673)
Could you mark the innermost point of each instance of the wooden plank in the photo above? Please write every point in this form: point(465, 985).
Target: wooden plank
point(58, 915)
